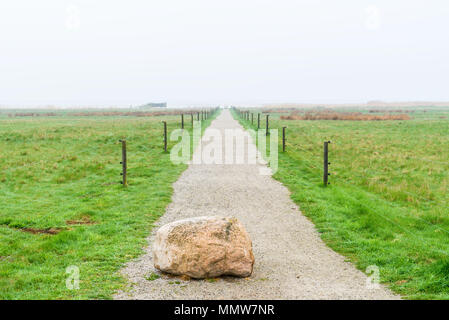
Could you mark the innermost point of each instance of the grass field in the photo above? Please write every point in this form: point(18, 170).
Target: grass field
point(62, 203)
point(388, 201)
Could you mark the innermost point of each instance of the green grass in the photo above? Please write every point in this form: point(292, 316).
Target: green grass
point(387, 204)
point(62, 173)
point(153, 276)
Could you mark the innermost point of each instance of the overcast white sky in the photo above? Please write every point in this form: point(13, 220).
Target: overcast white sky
point(187, 52)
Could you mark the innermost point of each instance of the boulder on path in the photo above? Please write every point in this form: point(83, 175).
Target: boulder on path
point(204, 247)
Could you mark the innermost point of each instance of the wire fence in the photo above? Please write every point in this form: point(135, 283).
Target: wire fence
point(311, 162)
point(205, 115)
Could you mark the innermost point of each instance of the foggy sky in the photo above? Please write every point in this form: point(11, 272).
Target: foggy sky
point(57, 52)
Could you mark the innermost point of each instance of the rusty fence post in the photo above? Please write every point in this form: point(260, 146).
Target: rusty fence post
point(182, 120)
point(123, 163)
point(326, 163)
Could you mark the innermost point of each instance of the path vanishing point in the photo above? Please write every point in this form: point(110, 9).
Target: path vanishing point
point(292, 262)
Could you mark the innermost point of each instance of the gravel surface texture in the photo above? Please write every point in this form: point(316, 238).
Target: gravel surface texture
point(291, 260)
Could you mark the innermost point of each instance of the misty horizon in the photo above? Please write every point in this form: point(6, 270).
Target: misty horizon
point(200, 53)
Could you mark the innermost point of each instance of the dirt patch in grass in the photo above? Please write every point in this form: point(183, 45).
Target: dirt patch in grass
point(41, 231)
point(35, 230)
point(82, 220)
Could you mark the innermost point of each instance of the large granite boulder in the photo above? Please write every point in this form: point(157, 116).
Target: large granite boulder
point(204, 247)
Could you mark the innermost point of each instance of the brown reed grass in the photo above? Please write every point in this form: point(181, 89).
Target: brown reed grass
point(352, 116)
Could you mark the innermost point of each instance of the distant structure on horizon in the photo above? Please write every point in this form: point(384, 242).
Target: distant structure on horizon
point(153, 105)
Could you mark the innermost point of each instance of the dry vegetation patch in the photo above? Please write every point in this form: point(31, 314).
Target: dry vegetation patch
point(41, 231)
point(83, 220)
point(353, 116)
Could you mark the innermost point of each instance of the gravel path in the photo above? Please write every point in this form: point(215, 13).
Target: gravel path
point(292, 262)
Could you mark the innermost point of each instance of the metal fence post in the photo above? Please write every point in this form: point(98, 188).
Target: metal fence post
point(165, 135)
point(258, 121)
point(283, 139)
point(326, 163)
point(267, 133)
point(182, 120)
point(123, 163)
